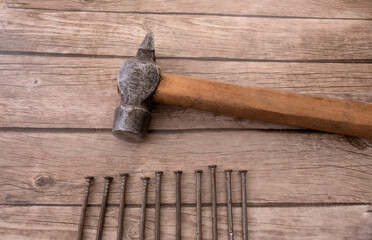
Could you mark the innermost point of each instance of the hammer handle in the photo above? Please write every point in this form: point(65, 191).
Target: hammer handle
point(305, 111)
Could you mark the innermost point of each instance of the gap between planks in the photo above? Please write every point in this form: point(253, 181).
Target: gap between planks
point(193, 205)
point(201, 59)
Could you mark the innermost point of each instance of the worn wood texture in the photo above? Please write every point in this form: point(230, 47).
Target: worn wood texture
point(264, 223)
point(271, 8)
point(37, 91)
point(193, 36)
point(284, 167)
point(58, 66)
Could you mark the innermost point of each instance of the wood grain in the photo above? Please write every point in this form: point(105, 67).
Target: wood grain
point(80, 92)
point(194, 36)
point(270, 8)
point(283, 167)
point(309, 223)
point(58, 66)
point(299, 110)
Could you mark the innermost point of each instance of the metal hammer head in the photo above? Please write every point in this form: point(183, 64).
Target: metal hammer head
point(138, 79)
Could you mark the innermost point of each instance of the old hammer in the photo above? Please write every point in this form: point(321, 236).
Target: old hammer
point(140, 82)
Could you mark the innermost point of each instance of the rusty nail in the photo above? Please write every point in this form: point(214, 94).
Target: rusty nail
point(229, 204)
point(212, 168)
point(178, 204)
point(243, 177)
point(143, 208)
point(199, 235)
point(88, 180)
point(157, 204)
point(101, 220)
point(124, 177)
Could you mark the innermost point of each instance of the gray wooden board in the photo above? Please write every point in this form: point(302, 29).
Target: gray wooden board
point(269, 8)
point(284, 167)
point(80, 92)
point(191, 36)
point(60, 222)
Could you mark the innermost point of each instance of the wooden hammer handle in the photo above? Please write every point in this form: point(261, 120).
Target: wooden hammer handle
point(305, 111)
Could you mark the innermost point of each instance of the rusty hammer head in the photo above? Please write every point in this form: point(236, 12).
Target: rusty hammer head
point(138, 78)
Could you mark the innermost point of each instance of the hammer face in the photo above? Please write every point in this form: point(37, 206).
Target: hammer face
point(131, 123)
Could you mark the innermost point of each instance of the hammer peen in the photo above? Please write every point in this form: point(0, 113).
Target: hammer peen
point(140, 82)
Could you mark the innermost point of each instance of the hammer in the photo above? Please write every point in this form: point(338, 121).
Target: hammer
point(140, 82)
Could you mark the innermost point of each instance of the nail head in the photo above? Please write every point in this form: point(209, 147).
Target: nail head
point(109, 178)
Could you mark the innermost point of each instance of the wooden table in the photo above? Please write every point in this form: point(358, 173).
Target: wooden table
point(59, 61)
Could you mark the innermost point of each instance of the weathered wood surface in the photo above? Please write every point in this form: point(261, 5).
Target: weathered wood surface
point(284, 167)
point(270, 8)
point(193, 36)
point(56, 222)
point(80, 92)
point(58, 66)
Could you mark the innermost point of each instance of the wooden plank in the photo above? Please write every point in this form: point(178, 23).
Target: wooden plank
point(80, 92)
point(47, 167)
point(196, 36)
point(40, 222)
point(270, 8)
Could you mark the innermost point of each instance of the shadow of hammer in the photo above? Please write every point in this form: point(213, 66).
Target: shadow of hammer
point(140, 82)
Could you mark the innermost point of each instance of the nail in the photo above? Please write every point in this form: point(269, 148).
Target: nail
point(124, 177)
point(101, 220)
point(143, 207)
point(199, 235)
point(243, 177)
point(88, 180)
point(229, 204)
point(178, 204)
point(157, 204)
point(212, 168)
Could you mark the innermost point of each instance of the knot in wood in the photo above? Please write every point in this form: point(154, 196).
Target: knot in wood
point(43, 181)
